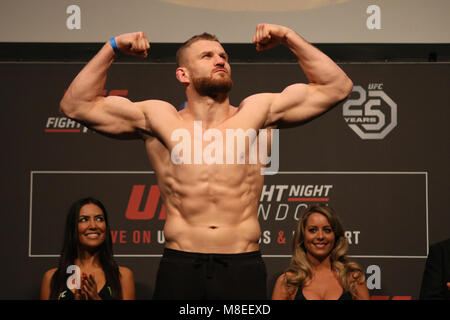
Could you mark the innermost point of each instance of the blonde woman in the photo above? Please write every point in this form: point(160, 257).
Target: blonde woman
point(319, 269)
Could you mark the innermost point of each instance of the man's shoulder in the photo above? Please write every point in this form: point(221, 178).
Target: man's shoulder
point(158, 109)
point(155, 103)
point(257, 98)
point(258, 103)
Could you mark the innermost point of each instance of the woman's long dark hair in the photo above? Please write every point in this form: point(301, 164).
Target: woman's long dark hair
point(69, 252)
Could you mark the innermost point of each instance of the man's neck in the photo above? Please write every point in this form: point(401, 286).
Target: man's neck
point(207, 109)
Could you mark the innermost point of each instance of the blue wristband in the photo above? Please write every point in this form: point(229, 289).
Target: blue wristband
point(114, 45)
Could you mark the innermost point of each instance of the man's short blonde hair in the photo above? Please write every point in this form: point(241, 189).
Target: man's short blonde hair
point(185, 45)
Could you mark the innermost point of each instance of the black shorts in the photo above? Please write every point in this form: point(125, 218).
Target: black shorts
point(199, 276)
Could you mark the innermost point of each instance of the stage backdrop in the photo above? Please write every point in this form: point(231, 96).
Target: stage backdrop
point(380, 158)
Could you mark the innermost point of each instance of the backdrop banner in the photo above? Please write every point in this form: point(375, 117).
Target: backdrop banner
point(380, 158)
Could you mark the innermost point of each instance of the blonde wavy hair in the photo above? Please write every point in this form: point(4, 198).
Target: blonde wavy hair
point(300, 270)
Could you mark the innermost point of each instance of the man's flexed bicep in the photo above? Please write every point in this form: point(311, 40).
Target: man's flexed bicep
point(299, 103)
point(328, 84)
point(84, 100)
point(114, 115)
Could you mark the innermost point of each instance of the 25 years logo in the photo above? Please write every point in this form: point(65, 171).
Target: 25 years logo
point(372, 114)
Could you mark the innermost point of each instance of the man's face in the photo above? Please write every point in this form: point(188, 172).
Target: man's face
point(209, 70)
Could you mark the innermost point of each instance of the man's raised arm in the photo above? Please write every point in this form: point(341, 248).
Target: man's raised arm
point(328, 83)
point(113, 115)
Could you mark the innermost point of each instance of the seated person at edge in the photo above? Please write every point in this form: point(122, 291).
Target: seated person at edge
point(88, 245)
point(436, 276)
point(319, 269)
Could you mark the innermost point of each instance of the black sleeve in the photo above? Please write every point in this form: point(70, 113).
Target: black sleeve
point(434, 280)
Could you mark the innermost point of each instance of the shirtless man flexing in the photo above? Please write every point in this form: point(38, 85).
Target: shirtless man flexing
point(211, 228)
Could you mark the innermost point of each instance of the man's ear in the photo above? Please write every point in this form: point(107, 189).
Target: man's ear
point(182, 75)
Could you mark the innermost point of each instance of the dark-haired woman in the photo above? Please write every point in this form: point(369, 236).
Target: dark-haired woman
point(87, 270)
point(319, 269)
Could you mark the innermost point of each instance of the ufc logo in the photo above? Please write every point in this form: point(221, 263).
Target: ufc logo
point(151, 204)
point(389, 298)
point(122, 93)
point(114, 92)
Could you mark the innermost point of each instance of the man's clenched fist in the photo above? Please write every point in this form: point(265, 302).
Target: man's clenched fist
point(135, 44)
